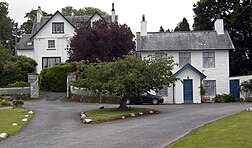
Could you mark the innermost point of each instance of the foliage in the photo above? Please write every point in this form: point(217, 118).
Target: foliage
point(224, 98)
point(4, 103)
point(237, 17)
point(19, 84)
point(246, 89)
point(14, 68)
point(161, 29)
point(55, 77)
point(232, 131)
point(183, 26)
point(104, 41)
point(9, 116)
point(17, 103)
point(6, 23)
point(202, 90)
point(69, 10)
point(26, 27)
point(126, 77)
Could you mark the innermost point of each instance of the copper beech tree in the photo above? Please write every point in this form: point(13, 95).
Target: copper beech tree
point(101, 40)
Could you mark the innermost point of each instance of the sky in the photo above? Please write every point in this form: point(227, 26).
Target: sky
point(167, 13)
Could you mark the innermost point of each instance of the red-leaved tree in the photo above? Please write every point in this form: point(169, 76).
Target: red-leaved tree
point(104, 41)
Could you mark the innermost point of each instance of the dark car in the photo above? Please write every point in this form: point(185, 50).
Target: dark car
point(146, 98)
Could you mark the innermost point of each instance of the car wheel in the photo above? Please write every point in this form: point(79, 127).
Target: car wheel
point(128, 101)
point(155, 102)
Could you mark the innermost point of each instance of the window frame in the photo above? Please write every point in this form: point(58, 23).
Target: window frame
point(55, 28)
point(207, 59)
point(182, 56)
point(47, 58)
point(51, 46)
point(208, 87)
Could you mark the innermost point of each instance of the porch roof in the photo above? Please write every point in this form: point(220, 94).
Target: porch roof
point(192, 68)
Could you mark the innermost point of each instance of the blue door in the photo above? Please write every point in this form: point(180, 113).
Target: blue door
point(234, 88)
point(188, 91)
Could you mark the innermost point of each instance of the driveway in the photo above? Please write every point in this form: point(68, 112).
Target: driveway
point(57, 125)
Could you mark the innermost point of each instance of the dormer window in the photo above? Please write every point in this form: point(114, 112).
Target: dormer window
point(29, 43)
point(58, 27)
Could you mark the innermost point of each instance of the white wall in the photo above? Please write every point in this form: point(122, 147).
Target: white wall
point(27, 53)
point(61, 41)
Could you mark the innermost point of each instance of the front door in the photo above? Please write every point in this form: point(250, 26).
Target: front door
point(188, 91)
point(234, 88)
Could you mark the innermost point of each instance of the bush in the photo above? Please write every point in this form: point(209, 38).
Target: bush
point(55, 78)
point(17, 103)
point(5, 103)
point(224, 98)
point(19, 84)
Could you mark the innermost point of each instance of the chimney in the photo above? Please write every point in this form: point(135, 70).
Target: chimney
point(143, 26)
point(39, 14)
point(113, 13)
point(219, 26)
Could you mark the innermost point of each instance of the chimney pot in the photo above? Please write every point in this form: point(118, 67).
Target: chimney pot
point(113, 13)
point(143, 26)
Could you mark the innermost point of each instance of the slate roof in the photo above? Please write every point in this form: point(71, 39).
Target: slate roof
point(192, 68)
point(73, 20)
point(184, 40)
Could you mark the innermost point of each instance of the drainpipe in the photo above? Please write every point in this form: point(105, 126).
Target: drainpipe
point(173, 98)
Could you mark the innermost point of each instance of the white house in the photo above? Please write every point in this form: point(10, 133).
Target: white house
point(51, 36)
point(202, 58)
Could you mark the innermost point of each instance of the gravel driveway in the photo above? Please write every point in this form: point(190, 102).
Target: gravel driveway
point(57, 125)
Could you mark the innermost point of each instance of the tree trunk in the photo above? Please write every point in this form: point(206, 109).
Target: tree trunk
point(123, 105)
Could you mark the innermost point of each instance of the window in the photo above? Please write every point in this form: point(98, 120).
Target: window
point(184, 58)
point(51, 44)
point(49, 61)
point(208, 60)
point(162, 55)
point(57, 27)
point(210, 87)
point(163, 92)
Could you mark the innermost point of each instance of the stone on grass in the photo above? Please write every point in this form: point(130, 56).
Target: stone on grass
point(140, 113)
point(3, 135)
point(14, 124)
point(24, 119)
point(26, 116)
point(122, 117)
point(81, 113)
point(132, 115)
point(249, 109)
point(30, 112)
point(87, 121)
point(83, 116)
point(151, 112)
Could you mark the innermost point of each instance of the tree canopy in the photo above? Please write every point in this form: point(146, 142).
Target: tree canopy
point(126, 77)
point(183, 26)
point(237, 17)
point(6, 24)
point(104, 41)
point(69, 10)
point(161, 29)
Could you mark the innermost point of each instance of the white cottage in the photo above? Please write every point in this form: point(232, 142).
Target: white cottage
point(202, 58)
point(51, 36)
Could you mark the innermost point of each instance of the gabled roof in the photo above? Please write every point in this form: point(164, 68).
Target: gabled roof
point(184, 40)
point(96, 13)
point(25, 43)
point(192, 68)
point(57, 12)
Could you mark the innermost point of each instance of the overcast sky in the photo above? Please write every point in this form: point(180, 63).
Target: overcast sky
point(157, 12)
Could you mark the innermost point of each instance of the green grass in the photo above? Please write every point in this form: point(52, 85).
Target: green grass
point(9, 116)
point(233, 131)
point(109, 114)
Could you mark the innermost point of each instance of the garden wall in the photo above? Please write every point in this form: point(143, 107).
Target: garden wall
point(15, 91)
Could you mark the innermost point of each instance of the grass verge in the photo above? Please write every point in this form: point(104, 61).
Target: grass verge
point(110, 114)
point(9, 116)
point(232, 131)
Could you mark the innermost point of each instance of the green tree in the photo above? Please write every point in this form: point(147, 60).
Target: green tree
point(161, 29)
point(183, 26)
point(237, 17)
point(69, 10)
point(126, 77)
point(26, 27)
point(6, 24)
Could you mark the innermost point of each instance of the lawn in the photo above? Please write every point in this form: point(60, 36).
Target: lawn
point(108, 114)
point(233, 131)
point(9, 116)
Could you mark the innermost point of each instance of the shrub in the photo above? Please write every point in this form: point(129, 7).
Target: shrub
point(246, 89)
point(55, 78)
point(5, 103)
point(224, 98)
point(21, 96)
point(17, 103)
point(19, 84)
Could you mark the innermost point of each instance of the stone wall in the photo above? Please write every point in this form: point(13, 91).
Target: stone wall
point(14, 91)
